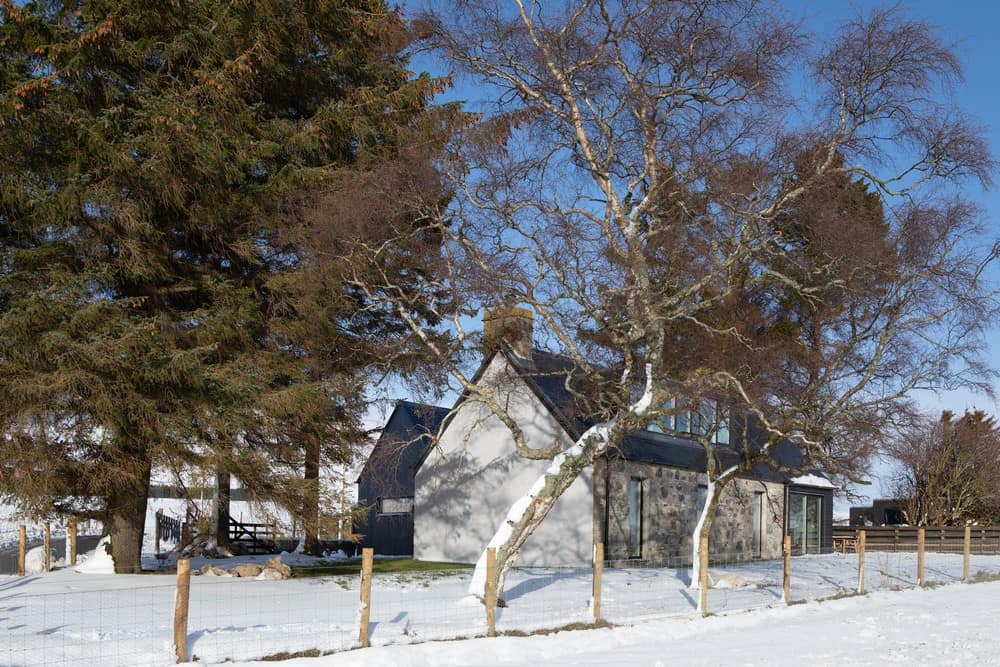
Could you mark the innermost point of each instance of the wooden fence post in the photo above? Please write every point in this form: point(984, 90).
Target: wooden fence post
point(186, 528)
point(158, 528)
point(703, 575)
point(48, 546)
point(861, 562)
point(966, 553)
point(787, 579)
point(598, 572)
point(181, 608)
point(71, 534)
point(22, 547)
point(367, 559)
point(921, 536)
point(491, 592)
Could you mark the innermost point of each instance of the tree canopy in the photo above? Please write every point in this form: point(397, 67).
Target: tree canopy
point(164, 173)
point(697, 201)
point(948, 470)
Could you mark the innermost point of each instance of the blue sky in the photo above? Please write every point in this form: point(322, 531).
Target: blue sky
point(971, 25)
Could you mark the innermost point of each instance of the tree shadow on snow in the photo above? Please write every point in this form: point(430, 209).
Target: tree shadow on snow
point(536, 582)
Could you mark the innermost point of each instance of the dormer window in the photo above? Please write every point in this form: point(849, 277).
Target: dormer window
point(708, 419)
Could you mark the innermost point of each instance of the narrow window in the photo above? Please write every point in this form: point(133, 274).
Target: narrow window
point(707, 417)
point(758, 523)
point(668, 420)
point(722, 430)
point(635, 518)
point(683, 422)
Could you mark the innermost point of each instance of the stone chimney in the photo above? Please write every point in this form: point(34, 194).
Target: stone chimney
point(510, 325)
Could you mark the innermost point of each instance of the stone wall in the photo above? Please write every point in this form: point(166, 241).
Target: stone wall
point(669, 513)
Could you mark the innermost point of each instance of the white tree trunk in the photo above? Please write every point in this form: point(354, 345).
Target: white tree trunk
point(713, 497)
point(703, 527)
point(528, 511)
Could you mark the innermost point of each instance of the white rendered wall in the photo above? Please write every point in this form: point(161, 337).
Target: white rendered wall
point(468, 482)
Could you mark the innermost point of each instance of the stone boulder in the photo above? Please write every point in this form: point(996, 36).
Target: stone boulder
point(275, 569)
point(246, 570)
point(271, 575)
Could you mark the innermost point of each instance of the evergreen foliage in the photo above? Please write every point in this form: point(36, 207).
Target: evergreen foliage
point(162, 298)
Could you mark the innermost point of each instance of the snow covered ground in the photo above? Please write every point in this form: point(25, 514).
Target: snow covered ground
point(952, 625)
point(90, 619)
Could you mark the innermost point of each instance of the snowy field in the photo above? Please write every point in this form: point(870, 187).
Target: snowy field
point(952, 625)
point(80, 618)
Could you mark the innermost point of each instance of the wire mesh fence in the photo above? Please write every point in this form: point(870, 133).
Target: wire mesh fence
point(246, 619)
point(120, 626)
point(129, 619)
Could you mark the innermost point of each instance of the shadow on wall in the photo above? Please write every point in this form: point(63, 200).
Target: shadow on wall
point(462, 504)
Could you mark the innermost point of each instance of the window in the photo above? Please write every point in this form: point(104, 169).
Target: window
point(722, 429)
point(805, 515)
point(635, 518)
point(665, 423)
point(702, 421)
point(758, 523)
point(708, 417)
point(683, 421)
point(394, 505)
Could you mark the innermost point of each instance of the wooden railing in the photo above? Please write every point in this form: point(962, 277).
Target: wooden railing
point(255, 537)
point(939, 539)
point(169, 528)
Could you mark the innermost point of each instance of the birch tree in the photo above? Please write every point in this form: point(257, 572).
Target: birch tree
point(948, 470)
point(688, 227)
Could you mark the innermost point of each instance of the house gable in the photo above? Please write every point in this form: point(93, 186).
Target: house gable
point(467, 483)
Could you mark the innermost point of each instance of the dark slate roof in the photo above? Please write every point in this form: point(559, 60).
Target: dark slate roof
point(547, 374)
point(411, 424)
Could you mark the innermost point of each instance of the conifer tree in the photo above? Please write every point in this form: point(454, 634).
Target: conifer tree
point(162, 302)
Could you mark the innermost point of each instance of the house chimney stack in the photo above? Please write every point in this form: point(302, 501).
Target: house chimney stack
point(510, 325)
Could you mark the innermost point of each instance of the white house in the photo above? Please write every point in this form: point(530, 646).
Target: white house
point(641, 500)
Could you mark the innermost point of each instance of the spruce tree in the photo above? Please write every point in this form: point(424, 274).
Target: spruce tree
point(162, 302)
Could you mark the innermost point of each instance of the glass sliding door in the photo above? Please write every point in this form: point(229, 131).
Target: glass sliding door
point(805, 522)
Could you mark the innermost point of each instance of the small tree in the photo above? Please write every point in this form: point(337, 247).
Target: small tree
point(679, 236)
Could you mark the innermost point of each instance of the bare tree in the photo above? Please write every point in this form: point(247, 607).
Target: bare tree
point(948, 470)
point(690, 229)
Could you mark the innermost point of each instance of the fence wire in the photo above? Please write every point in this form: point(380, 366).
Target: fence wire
point(121, 626)
point(130, 620)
